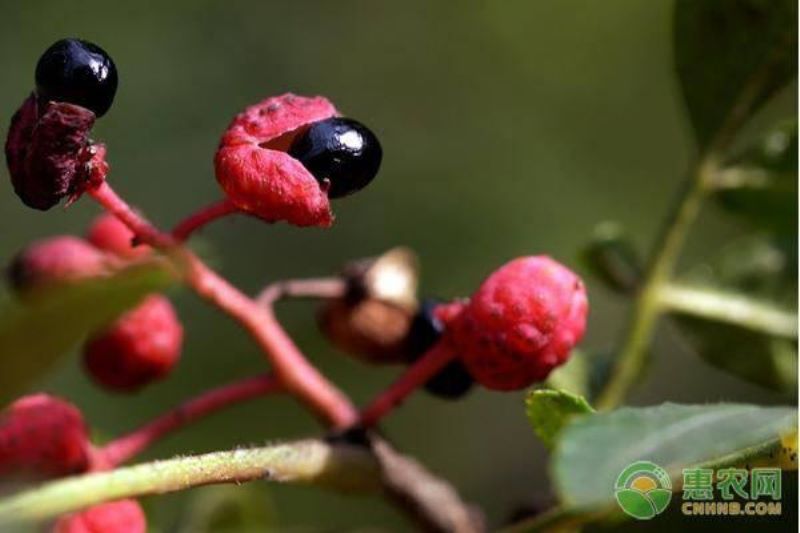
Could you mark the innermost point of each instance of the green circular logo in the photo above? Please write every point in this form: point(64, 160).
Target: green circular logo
point(643, 490)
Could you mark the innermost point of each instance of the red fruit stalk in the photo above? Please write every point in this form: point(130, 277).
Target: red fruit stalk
point(208, 214)
point(295, 373)
point(42, 436)
point(121, 516)
point(124, 448)
point(142, 346)
point(417, 374)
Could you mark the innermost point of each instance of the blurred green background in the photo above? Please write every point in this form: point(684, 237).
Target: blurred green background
point(509, 127)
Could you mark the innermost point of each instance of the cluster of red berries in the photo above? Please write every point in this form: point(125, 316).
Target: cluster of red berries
point(282, 159)
point(142, 345)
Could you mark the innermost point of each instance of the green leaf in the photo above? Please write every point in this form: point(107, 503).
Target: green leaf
point(592, 451)
point(762, 268)
point(550, 410)
point(770, 362)
point(732, 56)
point(34, 334)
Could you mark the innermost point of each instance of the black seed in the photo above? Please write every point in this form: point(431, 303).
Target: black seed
point(453, 381)
point(340, 150)
point(77, 72)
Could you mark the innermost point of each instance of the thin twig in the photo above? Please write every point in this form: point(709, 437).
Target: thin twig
point(307, 461)
point(221, 208)
point(645, 313)
point(414, 376)
point(124, 448)
point(295, 373)
point(320, 288)
point(434, 503)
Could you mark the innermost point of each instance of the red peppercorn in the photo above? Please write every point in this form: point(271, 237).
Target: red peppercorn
point(42, 436)
point(521, 323)
point(111, 235)
point(141, 346)
point(257, 174)
point(55, 261)
point(121, 516)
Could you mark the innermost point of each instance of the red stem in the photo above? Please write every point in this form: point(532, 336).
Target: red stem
point(421, 371)
point(124, 448)
point(295, 373)
point(200, 218)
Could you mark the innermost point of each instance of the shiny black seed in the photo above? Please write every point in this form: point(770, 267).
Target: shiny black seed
point(340, 150)
point(453, 381)
point(77, 72)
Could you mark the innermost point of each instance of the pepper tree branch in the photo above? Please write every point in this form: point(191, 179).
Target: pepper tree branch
point(646, 310)
point(291, 368)
point(306, 461)
point(667, 249)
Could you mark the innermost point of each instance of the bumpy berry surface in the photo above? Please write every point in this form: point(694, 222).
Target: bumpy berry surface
point(142, 346)
point(256, 173)
point(48, 152)
point(42, 436)
point(77, 72)
point(109, 234)
point(521, 323)
point(427, 328)
point(54, 261)
point(121, 516)
point(340, 150)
